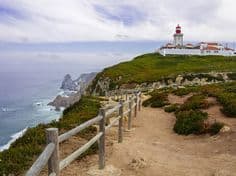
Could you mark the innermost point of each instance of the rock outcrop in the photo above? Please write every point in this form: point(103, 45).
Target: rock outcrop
point(76, 89)
point(105, 85)
point(68, 84)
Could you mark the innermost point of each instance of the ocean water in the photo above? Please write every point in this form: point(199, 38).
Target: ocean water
point(31, 74)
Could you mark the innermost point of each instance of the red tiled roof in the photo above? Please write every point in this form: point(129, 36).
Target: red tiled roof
point(211, 48)
point(212, 43)
point(229, 49)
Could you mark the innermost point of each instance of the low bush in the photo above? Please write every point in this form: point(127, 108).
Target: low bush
point(158, 99)
point(215, 128)
point(185, 91)
point(190, 122)
point(172, 108)
point(225, 95)
point(229, 109)
point(232, 76)
point(195, 102)
point(228, 101)
point(209, 77)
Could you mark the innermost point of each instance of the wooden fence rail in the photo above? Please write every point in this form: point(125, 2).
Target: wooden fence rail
point(50, 155)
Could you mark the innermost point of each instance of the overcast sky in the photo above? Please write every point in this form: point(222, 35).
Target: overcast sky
point(110, 20)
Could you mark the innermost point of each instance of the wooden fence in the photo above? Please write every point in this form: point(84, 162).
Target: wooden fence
point(50, 155)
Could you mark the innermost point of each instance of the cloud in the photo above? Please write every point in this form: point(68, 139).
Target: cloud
point(125, 14)
point(105, 20)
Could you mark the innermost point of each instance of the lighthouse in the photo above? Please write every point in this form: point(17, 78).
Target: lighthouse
point(178, 37)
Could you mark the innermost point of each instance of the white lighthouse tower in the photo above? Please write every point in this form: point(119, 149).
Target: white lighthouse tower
point(178, 37)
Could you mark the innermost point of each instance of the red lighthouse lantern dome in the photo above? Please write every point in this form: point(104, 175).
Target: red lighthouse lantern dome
point(178, 29)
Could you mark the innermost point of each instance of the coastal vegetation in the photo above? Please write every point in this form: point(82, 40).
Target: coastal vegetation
point(158, 99)
point(22, 153)
point(153, 67)
point(148, 68)
point(171, 108)
point(190, 118)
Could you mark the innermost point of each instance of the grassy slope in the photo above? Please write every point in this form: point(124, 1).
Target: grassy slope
point(153, 67)
point(24, 151)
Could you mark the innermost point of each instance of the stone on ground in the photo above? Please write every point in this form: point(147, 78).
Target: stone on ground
point(107, 171)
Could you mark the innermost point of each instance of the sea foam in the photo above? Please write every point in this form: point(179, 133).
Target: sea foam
point(14, 137)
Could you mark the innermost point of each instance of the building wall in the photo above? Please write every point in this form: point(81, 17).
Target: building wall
point(218, 53)
point(180, 52)
point(167, 51)
point(178, 40)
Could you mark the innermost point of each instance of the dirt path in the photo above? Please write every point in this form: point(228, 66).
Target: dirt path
point(151, 148)
point(157, 150)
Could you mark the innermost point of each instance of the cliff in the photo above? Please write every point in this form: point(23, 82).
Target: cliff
point(73, 89)
point(156, 71)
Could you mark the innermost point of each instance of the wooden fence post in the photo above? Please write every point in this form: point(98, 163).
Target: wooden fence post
point(53, 162)
point(121, 114)
point(140, 101)
point(130, 113)
point(136, 105)
point(101, 142)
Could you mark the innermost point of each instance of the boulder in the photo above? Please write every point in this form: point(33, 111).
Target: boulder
point(225, 129)
point(107, 171)
point(179, 79)
point(138, 163)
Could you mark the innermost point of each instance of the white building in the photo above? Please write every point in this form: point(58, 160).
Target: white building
point(203, 48)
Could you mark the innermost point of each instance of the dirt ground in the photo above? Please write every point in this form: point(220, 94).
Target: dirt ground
point(151, 148)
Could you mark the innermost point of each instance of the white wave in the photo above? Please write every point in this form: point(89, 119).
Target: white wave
point(66, 93)
point(39, 103)
point(14, 137)
point(46, 108)
point(6, 109)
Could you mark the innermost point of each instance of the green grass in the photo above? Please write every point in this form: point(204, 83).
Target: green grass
point(154, 67)
point(25, 150)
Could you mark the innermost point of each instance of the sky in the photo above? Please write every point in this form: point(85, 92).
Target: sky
point(64, 21)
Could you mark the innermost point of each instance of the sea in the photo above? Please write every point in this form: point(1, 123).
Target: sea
point(31, 75)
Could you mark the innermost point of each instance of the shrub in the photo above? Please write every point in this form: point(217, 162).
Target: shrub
point(232, 76)
point(190, 122)
point(182, 91)
point(225, 94)
point(229, 109)
point(195, 102)
point(158, 99)
point(215, 128)
point(228, 101)
point(172, 108)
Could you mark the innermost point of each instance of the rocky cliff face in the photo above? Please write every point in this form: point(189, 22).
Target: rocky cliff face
point(76, 89)
point(68, 83)
point(104, 85)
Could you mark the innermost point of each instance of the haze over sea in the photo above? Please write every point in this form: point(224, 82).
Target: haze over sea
point(30, 77)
